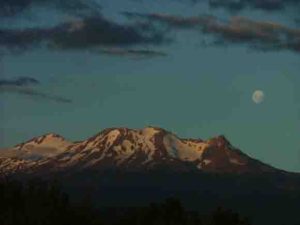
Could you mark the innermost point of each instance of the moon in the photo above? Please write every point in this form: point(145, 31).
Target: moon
point(258, 96)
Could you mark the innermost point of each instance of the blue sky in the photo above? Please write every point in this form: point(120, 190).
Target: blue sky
point(168, 64)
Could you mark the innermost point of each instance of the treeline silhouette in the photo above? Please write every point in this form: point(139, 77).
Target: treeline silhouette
point(42, 203)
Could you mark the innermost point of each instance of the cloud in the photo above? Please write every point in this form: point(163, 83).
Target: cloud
point(134, 53)
point(21, 81)
point(9, 8)
point(22, 86)
point(85, 34)
point(257, 34)
point(267, 5)
point(237, 5)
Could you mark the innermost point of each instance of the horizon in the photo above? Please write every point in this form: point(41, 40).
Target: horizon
point(196, 68)
point(72, 142)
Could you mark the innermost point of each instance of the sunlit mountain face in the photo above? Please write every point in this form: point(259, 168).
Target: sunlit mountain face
point(196, 68)
point(138, 100)
point(146, 149)
point(131, 167)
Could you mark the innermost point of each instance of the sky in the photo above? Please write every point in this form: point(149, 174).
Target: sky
point(188, 66)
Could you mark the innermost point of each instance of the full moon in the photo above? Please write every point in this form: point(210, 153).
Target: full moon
point(258, 96)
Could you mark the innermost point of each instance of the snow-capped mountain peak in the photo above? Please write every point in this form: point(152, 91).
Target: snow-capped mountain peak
point(47, 140)
point(134, 149)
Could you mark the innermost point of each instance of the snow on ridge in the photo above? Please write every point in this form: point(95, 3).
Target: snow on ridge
point(184, 150)
point(120, 145)
point(236, 161)
point(148, 134)
point(50, 140)
point(36, 149)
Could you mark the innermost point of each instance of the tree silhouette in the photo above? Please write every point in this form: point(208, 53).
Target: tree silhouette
point(40, 203)
point(226, 217)
point(43, 203)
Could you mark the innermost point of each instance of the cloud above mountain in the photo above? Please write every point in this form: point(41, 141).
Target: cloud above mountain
point(87, 34)
point(9, 8)
point(262, 35)
point(266, 5)
point(94, 32)
point(238, 5)
point(20, 82)
point(23, 86)
point(131, 53)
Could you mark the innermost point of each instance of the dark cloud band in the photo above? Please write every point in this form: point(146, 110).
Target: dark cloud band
point(237, 5)
point(257, 34)
point(133, 53)
point(9, 8)
point(266, 5)
point(21, 81)
point(85, 33)
point(22, 86)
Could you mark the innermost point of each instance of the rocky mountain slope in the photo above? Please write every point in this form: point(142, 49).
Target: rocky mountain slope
point(146, 149)
point(129, 167)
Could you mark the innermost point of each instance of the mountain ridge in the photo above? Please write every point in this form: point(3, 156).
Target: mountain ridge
point(123, 166)
point(148, 148)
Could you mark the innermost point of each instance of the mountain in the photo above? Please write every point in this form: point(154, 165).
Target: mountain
point(132, 167)
point(29, 153)
point(150, 148)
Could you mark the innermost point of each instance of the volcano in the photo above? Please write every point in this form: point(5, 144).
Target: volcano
point(147, 149)
point(130, 167)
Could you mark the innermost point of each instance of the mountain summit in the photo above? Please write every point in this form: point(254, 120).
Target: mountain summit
point(150, 148)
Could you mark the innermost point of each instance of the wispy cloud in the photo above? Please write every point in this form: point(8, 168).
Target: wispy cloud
point(20, 81)
point(262, 35)
point(132, 53)
point(238, 5)
point(22, 86)
point(9, 8)
point(266, 5)
point(86, 33)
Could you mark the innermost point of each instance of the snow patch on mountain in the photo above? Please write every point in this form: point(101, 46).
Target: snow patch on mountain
point(184, 150)
point(48, 145)
point(145, 148)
